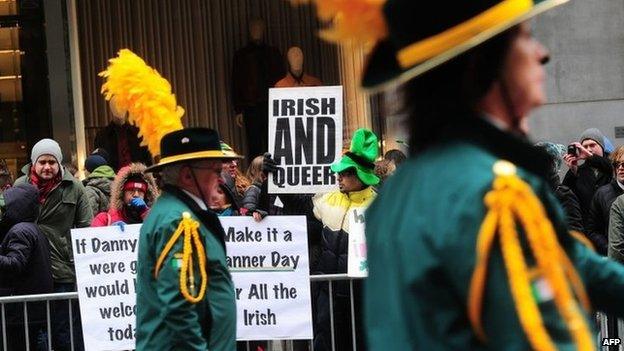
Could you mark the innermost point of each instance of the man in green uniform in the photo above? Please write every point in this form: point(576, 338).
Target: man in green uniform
point(467, 247)
point(185, 294)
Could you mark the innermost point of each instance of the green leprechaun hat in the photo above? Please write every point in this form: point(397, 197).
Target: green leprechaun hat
point(361, 156)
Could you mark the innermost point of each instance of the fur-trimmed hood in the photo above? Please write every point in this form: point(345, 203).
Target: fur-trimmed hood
point(116, 200)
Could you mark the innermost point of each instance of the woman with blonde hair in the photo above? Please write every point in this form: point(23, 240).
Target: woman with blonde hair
point(255, 201)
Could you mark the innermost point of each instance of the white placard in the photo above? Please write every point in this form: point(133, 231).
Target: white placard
point(270, 269)
point(305, 138)
point(105, 260)
point(357, 263)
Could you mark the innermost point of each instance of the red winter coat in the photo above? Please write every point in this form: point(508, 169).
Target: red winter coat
point(116, 207)
point(104, 219)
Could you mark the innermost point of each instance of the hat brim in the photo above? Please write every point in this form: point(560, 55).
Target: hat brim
point(383, 71)
point(367, 176)
point(193, 156)
point(230, 155)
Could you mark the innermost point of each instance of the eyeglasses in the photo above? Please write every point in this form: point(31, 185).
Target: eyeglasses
point(617, 165)
point(207, 168)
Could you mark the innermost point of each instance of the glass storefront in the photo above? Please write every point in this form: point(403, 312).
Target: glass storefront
point(24, 87)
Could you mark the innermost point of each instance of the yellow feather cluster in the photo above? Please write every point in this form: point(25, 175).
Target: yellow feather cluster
point(353, 21)
point(145, 94)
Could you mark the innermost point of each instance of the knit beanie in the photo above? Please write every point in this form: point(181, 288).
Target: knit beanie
point(46, 147)
point(595, 135)
point(94, 161)
point(102, 152)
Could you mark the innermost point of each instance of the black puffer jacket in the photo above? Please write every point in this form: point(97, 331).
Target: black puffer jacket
point(598, 220)
point(24, 252)
point(594, 173)
point(571, 206)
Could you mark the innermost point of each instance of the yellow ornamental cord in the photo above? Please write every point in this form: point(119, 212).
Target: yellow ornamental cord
point(190, 229)
point(511, 199)
point(582, 238)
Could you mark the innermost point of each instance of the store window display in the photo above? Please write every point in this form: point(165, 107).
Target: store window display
point(256, 68)
point(296, 76)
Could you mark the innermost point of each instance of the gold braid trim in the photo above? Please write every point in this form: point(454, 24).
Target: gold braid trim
point(512, 199)
point(190, 229)
point(582, 238)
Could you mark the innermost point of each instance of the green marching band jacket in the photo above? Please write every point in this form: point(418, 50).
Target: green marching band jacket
point(468, 250)
point(201, 313)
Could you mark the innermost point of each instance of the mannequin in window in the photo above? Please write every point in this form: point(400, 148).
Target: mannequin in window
point(121, 141)
point(255, 69)
point(296, 77)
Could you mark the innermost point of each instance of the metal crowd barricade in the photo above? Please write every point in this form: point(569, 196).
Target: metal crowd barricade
point(283, 345)
point(24, 300)
point(611, 332)
point(287, 345)
point(308, 345)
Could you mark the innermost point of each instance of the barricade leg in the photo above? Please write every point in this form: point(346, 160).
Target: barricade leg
point(49, 325)
point(65, 338)
point(4, 331)
point(332, 327)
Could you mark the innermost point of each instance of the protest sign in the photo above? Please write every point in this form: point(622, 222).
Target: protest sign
point(357, 264)
point(269, 265)
point(305, 138)
point(268, 261)
point(105, 260)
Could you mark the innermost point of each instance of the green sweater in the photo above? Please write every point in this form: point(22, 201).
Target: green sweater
point(421, 238)
point(66, 207)
point(165, 320)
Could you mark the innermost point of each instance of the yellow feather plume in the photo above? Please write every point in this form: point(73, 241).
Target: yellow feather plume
point(145, 94)
point(353, 21)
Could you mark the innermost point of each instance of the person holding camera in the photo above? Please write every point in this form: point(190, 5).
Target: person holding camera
point(594, 172)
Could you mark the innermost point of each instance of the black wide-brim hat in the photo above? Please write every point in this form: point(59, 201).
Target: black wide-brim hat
point(189, 144)
point(421, 38)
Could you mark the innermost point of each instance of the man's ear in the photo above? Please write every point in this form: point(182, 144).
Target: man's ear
point(186, 179)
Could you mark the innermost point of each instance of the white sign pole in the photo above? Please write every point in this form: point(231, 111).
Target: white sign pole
point(305, 138)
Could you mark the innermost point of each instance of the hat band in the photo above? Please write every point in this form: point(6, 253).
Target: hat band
point(131, 185)
point(360, 160)
point(427, 48)
point(193, 155)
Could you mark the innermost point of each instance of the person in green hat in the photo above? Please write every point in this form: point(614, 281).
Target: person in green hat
point(468, 248)
point(356, 178)
point(185, 293)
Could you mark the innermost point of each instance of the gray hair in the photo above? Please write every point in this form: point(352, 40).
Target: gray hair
point(171, 173)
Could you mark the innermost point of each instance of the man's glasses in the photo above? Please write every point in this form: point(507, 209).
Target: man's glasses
point(207, 168)
point(617, 165)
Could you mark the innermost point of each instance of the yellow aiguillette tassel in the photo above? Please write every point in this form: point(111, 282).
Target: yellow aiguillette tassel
point(190, 229)
point(511, 199)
